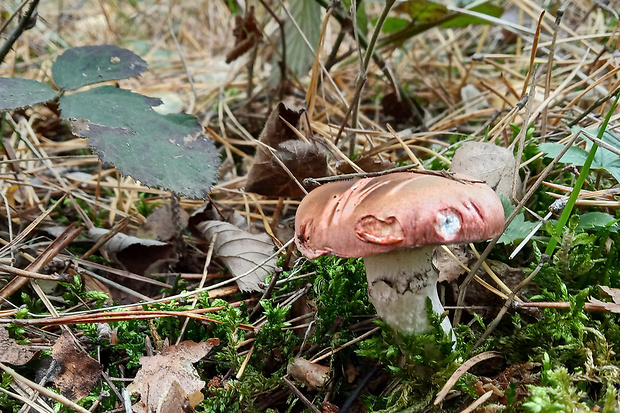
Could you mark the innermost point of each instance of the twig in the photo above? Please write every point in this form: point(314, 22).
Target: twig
point(300, 395)
point(30, 274)
point(23, 24)
point(354, 395)
point(406, 168)
point(462, 369)
point(508, 303)
point(558, 19)
point(48, 393)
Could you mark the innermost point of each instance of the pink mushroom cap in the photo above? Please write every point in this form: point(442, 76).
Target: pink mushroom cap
point(370, 216)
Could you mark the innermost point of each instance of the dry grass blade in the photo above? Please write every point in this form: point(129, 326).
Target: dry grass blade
point(462, 369)
point(44, 258)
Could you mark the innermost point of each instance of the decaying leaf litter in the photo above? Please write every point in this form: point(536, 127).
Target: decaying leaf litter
point(474, 83)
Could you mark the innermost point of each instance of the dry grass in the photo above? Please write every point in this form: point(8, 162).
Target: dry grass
point(434, 66)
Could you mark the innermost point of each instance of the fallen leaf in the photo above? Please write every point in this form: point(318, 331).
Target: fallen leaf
point(351, 373)
point(161, 224)
point(13, 353)
point(613, 293)
point(176, 400)
point(327, 407)
point(302, 159)
point(366, 164)
point(158, 373)
point(241, 251)
point(489, 162)
point(448, 269)
point(312, 374)
point(247, 35)
point(78, 371)
point(137, 255)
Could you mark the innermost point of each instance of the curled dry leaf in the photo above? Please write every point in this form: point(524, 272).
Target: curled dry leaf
point(78, 371)
point(13, 353)
point(158, 374)
point(312, 374)
point(138, 255)
point(241, 252)
point(489, 162)
point(302, 159)
point(247, 34)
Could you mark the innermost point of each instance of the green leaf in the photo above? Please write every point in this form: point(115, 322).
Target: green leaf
point(595, 220)
point(307, 13)
point(17, 93)
point(518, 229)
point(464, 20)
point(574, 154)
point(165, 151)
point(423, 11)
point(393, 24)
point(86, 65)
point(603, 159)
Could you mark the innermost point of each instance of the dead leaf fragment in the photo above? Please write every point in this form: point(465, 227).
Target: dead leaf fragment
point(156, 377)
point(613, 293)
point(137, 255)
point(247, 35)
point(176, 401)
point(13, 353)
point(161, 224)
point(303, 160)
point(449, 270)
point(367, 164)
point(241, 252)
point(78, 371)
point(488, 162)
point(312, 374)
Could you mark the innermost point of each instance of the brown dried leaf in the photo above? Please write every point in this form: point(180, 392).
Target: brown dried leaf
point(605, 306)
point(312, 374)
point(247, 34)
point(488, 162)
point(78, 371)
point(158, 373)
point(241, 251)
point(448, 269)
point(302, 159)
point(367, 164)
point(176, 400)
point(161, 224)
point(137, 255)
point(13, 353)
point(613, 293)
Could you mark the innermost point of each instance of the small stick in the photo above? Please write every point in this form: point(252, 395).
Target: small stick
point(510, 301)
point(31, 274)
point(301, 396)
point(48, 393)
point(406, 168)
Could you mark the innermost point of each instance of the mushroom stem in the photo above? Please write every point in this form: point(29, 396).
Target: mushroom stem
point(399, 282)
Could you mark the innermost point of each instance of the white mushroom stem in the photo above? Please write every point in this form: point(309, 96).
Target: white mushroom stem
point(399, 283)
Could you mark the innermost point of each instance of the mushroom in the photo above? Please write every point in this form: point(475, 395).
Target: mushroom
point(394, 221)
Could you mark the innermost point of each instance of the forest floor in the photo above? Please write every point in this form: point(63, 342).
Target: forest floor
point(117, 296)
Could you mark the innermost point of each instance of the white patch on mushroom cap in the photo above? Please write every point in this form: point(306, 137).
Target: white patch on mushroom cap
point(448, 223)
